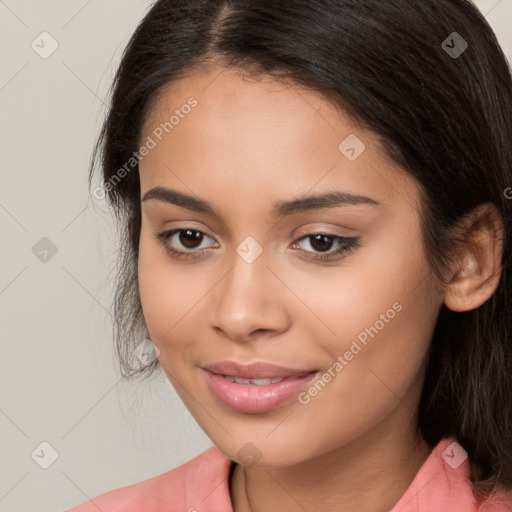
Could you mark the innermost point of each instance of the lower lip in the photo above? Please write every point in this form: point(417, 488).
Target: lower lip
point(253, 399)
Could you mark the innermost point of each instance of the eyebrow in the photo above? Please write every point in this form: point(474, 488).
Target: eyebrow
point(280, 209)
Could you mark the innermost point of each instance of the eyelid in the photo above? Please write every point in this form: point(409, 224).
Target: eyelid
point(184, 225)
point(310, 231)
point(346, 245)
point(325, 228)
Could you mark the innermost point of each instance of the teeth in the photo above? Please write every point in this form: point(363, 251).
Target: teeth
point(257, 382)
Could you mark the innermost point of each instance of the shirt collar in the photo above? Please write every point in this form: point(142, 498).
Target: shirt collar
point(441, 483)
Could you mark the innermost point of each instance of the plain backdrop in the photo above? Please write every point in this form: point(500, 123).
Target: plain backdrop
point(62, 403)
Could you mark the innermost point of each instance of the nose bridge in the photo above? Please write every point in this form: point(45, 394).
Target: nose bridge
point(243, 286)
point(246, 301)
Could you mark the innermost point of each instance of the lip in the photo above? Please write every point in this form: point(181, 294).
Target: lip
point(257, 370)
point(252, 398)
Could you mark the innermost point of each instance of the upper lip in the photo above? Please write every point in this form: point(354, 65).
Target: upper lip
point(257, 370)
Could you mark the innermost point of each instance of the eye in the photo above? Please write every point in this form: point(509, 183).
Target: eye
point(191, 239)
point(189, 244)
point(324, 242)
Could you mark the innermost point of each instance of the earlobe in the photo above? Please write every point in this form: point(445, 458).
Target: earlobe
point(477, 274)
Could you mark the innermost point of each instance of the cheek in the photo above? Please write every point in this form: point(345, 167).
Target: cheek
point(155, 292)
point(374, 365)
point(168, 292)
point(378, 279)
point(376, 312)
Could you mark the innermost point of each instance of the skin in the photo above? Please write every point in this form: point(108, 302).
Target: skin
point(247, 144)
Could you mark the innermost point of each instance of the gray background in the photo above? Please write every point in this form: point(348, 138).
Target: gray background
point(58, 382)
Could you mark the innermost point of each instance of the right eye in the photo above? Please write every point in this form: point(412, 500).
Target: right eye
point(187, 237)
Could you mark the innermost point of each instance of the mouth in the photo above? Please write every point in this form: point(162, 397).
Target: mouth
point(256, 393)
point(261, 381)
point(255, 373)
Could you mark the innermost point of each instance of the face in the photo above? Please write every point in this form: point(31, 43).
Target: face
point(338, 288)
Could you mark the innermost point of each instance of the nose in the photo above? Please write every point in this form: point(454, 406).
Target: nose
point(250, 301)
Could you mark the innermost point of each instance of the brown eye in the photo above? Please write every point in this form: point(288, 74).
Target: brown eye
point(189, 238)
point(321, 242)
point(183, 242)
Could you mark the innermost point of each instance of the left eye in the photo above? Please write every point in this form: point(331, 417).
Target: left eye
point(323, 242)
point(191, 239)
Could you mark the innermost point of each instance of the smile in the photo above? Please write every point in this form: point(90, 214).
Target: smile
point(258, 395)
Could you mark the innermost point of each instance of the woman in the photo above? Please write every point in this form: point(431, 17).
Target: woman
point(317, 225)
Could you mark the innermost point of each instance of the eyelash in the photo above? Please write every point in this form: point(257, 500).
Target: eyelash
point(348, 244)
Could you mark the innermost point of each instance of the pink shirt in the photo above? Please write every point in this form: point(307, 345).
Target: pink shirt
point(202, 485)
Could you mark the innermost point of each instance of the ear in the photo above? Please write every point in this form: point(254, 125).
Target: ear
point(477, 273)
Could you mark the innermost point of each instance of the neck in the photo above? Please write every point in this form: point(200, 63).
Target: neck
point(368, 474)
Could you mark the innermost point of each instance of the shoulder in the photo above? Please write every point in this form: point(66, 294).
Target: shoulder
point(443, 483)
point(201, 482)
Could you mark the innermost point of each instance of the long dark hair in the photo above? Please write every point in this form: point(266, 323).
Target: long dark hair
point(442, 106)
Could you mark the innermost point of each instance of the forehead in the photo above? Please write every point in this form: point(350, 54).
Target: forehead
point(253, 100)
point(261, 135)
